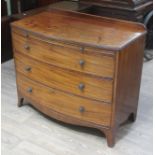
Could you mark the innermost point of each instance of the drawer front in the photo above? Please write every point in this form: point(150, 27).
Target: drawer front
point(64, 103)
point(70, 57)
point(72, 82)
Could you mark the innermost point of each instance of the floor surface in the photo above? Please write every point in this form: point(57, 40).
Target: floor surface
point(25, 131)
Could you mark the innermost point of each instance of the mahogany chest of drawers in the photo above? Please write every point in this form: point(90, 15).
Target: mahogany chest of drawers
point(78, 68)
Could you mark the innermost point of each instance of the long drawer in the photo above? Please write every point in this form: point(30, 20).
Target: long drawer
point(66, 56)
point(81, 84)
point(64, 103)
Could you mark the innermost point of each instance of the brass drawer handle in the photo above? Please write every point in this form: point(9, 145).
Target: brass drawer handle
point(82, 109)
point(28, 68)
point(29, 90)
point(81, 62)
point(81, 86)
point(26, 46)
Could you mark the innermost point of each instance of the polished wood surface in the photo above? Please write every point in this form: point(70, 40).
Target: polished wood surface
point(96, 31)
point(127, 85)
point(67, 104)
point(129, 68)
point(67, 5)
point(134, 10)
point(91, 61)
point(102, 90)
point(69, 81)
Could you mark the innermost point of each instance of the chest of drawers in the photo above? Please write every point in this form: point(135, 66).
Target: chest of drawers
point(80, 69)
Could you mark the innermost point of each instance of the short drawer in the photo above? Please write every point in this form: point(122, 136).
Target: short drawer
point(71, 57)
point(93, 87)
point(64, 103)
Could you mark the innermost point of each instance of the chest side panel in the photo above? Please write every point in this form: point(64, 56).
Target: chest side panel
point(127, 83)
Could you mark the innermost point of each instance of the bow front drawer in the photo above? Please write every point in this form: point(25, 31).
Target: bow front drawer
point(67, 56)
point(64, 103)
point(81, 84)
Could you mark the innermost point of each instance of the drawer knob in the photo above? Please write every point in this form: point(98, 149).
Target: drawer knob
point(81, 86)
point(26, 35)
point(82, 109)
point(81, 62)
point(28, 69)
point(26, 46)
point(29, 90)
point(81, 49)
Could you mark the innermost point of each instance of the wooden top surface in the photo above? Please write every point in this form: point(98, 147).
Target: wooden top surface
point(82, 29)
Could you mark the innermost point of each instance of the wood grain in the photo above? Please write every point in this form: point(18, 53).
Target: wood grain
point(66, 56)
point(105, 93)
point(96, 31)
point(67, 104)
point(95, 87)
point(128, 79)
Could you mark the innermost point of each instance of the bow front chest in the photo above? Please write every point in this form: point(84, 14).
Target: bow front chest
point(79, 69)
